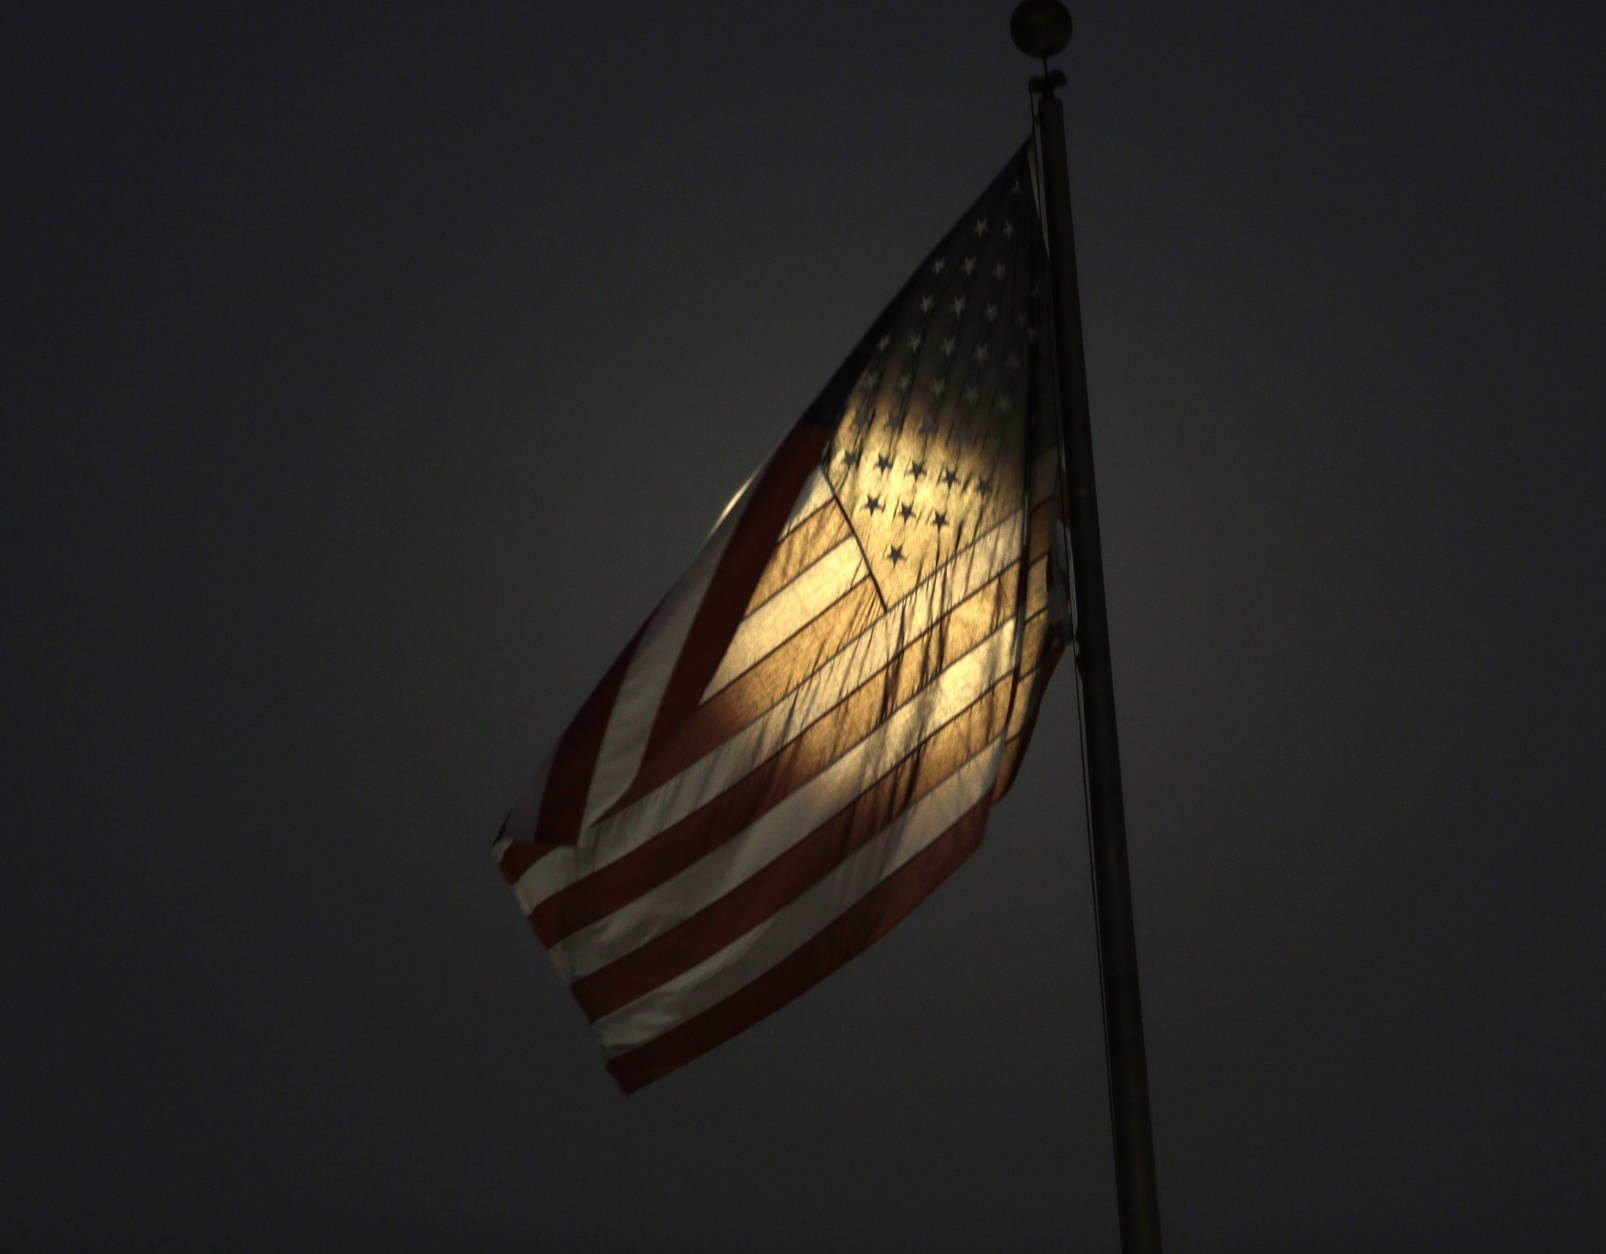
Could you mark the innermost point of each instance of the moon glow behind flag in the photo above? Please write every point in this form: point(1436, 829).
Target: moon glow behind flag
point(806, 735)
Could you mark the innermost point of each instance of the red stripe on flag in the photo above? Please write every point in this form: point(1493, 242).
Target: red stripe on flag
point(569, 780)
point(807, 542)
point(850, 933)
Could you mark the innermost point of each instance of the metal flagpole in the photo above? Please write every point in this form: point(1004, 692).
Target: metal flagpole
point(1040, 29)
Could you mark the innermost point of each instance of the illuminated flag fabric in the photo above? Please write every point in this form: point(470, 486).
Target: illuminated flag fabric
point(805, 736)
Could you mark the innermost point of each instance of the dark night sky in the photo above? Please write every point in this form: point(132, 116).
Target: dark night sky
point(372, 373)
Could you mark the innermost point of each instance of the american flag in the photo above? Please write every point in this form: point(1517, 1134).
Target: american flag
point(806, 735)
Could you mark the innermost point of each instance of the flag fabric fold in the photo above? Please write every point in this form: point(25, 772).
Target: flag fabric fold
point(806, 735)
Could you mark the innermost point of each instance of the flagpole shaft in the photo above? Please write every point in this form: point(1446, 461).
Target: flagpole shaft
point(1137, 1190)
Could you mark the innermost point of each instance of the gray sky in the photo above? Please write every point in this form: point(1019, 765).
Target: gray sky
point(375, 371)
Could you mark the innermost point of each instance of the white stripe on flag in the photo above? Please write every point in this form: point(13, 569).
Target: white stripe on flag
point(816, 492)
point(794, 606)
point(735, 500)
point(552, 873)
point(755, 952)
point(530, 882)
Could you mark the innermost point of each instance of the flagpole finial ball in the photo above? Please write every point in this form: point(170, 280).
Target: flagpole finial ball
point(1040, 28)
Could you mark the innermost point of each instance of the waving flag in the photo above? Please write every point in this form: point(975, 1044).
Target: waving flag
point(805, 736)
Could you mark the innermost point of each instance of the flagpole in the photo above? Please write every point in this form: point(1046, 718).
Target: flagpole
point(1040, 29)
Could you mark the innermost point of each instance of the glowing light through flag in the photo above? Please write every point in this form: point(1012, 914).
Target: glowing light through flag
point(806, 736)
